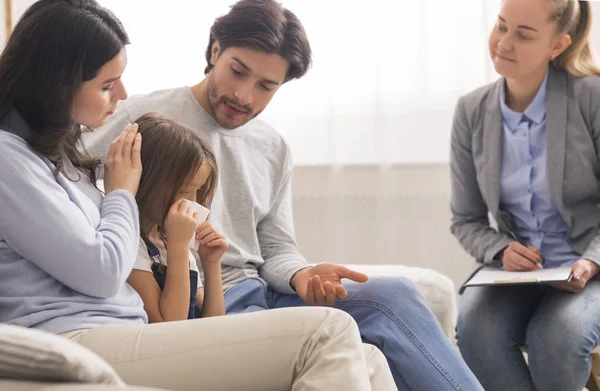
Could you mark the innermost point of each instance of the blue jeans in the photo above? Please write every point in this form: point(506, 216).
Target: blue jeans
point(560, 329)
point(392, 315)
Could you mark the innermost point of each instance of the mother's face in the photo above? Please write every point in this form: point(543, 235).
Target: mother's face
point(97, 99)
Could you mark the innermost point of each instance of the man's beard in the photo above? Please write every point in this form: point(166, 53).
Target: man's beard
point(214, 101)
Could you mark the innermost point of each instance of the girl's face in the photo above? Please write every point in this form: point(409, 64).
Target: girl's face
point(190, 189)
point(97, 99)
point(525, 39)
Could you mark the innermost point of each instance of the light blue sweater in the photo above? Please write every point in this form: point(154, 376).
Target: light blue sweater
point(65, 251)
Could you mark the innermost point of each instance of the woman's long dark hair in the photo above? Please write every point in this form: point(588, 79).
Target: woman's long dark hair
point(56, 46)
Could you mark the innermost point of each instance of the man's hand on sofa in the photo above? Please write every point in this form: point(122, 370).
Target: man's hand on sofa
point(322, 284)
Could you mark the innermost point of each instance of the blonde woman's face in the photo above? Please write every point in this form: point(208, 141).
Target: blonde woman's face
point(524, 38)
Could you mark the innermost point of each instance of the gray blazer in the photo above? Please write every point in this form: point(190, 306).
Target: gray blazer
point(573, 142)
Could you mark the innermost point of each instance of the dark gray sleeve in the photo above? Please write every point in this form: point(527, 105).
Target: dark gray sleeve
point(470, 221)
point(593, 250)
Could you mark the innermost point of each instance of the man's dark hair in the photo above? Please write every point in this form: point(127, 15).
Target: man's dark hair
point(267, 26)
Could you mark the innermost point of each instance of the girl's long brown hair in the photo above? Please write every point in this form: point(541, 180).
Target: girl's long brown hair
point(171, 155)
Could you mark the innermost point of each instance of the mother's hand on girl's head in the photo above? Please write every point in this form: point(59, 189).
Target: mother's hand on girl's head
point(123, 167)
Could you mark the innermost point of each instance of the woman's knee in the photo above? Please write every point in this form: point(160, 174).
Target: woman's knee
point(375, 356)
point(471, 333)
point(330, 321)
point(560, 340)
point(378, 368)
point(559, 354)
point(566, 325)
point(471, 321)
point(481, 326)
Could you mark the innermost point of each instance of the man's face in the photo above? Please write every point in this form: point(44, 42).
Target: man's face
point(242, 83)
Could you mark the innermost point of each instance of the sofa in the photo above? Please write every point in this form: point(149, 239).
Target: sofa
point(85, 371)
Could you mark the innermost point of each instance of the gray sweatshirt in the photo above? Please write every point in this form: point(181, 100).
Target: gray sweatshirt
point(252, 205)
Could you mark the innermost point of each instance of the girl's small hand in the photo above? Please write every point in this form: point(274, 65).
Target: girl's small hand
point(180, 224)
point(212, 243)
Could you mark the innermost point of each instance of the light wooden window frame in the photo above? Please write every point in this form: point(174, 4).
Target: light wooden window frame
point(8, 17)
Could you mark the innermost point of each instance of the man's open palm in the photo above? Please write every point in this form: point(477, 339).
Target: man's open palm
point(322, 284)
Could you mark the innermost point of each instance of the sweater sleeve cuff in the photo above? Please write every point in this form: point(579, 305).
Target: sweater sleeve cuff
point(281, 282)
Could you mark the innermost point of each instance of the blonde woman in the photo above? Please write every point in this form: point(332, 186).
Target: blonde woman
point(525, 149)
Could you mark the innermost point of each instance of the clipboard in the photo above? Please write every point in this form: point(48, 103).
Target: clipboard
point(493, 276)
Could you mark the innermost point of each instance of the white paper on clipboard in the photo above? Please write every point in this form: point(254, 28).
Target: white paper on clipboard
point(495, 276)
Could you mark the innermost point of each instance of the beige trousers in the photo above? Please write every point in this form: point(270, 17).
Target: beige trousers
point(310, 348)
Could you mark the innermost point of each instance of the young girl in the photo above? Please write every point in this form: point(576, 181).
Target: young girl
point(525, 149)
point(179, 167)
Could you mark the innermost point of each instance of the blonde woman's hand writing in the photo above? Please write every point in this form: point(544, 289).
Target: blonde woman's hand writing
point(517, 257)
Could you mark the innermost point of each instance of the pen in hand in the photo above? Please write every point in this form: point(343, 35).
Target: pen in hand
point(513, 234)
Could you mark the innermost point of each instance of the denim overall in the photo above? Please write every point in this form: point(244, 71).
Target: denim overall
point(160, 275)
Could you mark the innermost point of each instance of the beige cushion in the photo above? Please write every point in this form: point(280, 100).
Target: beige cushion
point(36, 355)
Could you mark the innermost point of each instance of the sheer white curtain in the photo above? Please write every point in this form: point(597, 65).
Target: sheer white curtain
point(385, 79)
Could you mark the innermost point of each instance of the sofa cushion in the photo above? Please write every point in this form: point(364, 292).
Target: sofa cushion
point(37, 355)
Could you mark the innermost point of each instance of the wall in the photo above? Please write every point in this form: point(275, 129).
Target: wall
point(18, 7)
point(596, 23)
point(378, 215)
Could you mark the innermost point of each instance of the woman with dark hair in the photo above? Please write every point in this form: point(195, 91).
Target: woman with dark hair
point(66, 251)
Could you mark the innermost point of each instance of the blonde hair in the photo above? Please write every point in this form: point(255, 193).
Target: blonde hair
point(575, 19)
